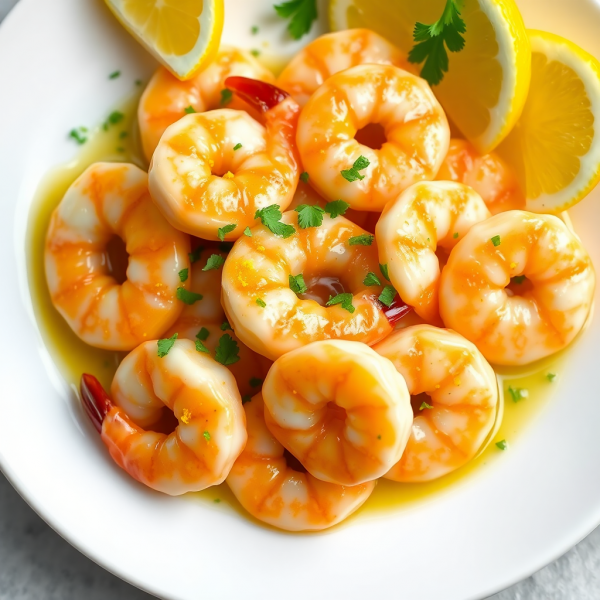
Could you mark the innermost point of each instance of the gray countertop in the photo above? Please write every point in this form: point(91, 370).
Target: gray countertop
point(37, 564)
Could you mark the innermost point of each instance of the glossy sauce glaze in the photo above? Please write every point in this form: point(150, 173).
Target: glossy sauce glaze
point(73, 357)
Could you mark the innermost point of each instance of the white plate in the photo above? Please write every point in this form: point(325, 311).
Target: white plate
point(512, 518)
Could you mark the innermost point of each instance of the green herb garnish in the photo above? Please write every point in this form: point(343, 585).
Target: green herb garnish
point(344, 299)
point(371, 279)
point(200, 347)
point(165, 345)
point(223, 231)
point(237, 146)
point(194, 255)
point(424, 405)
point(309, 216)
point(297, 284)
point(255, 381)
point(495, 240)
point(225, 326)
point(189, 110)
point(518, 279)
point(384, 271)
point(248, 232)
point(261, 303)
point(551, 377)
point(183, 275)
point(518, 393)
point(188, 297)
point(206, 436)
point(387, 295)
point(304, 177)
point(78, 135)
point(203, 334)
point(270, 217)
point(365, 239)
point(227, 351)
point(214, 261)
point(301, 13)
point(502, 444)
point(353, 174)
point(114, 74)
point(226, 96)
point(335, 208)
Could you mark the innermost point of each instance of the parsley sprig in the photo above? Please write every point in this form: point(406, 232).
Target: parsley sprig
point(301, 13)
point(345, 300)
point(352, 174)
point(270, 217)
point(227, 351)
point(297, 283)
point(432, 40)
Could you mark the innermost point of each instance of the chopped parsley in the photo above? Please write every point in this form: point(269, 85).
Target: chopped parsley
point(225, 326)
point(424, 405)
point(123, 135)
point(371, 279)
point(189, 110)
point(304, 177)
point(387, 295)
point(301, 14)
point(297, 284)
point(114, 74)
point(79, 135)
point(261, 303)
point(335, 208)
point(432, 40)
point(114, 118)
point(518, 279)
point(217, 500)
point(183, 275)
point(215, 261)
point(551, 377)
point(227, 351)
point(226, 96)
point(200, 347)
point(256, 381)
point(206, 436)
point(194, 255)
point(344, 299)
point(270, 217)
point(138, 82)
point(188, 297)
point(255, 52)
point(309, 216)
point(455, 236)
point(384, 271)
point(165, 345)
point(495, 240)
point(223, 231)
point(366, 239)
point(502, 445)
point(203, 334)
point(518, 393)
point(353, 174)
point(237, 146)
point(254, 29)
point(248, 232)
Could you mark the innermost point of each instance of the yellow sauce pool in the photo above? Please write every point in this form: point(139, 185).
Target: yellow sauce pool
point(73, 357)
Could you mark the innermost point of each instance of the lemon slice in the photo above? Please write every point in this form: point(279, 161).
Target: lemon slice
point(555, 146)
point(183, 35)
point(486, 85)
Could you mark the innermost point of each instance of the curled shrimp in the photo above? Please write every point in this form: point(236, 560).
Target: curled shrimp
point(166, 99)
point(341, 409)
point(487, 174)
point(272, 319)
point(415, 127)
point(519, 286)
point(334, 52)
point(212, 171)
point(111, 200)
point(276, 491)
point(456, 397)
point(428, 216)
point(202, 395)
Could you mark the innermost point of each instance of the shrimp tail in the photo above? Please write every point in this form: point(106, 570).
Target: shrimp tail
point(260, 95)
point(396, 311)
point(96, 402)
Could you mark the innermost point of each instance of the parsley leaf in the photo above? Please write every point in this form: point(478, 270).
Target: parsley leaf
point(189, 110)
point(261, 303)
point(114, 118)
point(183, 275)
point(384, 271)
point(248, 232)
point(304, 177)
point(495, 240)
point(188, 297)
point(361, 240)
point(226, 96)
point(227, 351)
point(518, 393)
point(353, 174)
point(424, 405)
point(344, 299)
point(223, 231)
point(203, 334)
point(371, 279)
point(200, 347)
point(195, 254)
point(255, 381)
point(214, 261)
point(297, 284)
point(165, 345)
point(432, 40)
point(246, 398)
point(309, 216)
point(206, 436)
point(270, 217)
point(255, 52)
point(114, 74)
point(518, 279)
point(551, 377)
point(502, 444)
point(78, 135)
point(226, 326)
point(387, 296)
point(301, 13)
point(237, 146)
point(254, 29)
point(335, 208)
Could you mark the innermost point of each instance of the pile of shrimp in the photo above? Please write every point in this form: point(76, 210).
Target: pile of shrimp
point(283, 233)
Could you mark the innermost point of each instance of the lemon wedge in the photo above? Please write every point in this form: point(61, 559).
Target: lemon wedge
point(183, 35)
point(485, 88)
point(555, 146)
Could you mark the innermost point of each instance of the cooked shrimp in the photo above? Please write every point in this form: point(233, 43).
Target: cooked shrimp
point(487, 174)
point(415, 126)
point(426, 216)
point(272, 490)
point(216, 169)
point(334, 52)
point(272, 319)
point(166, 98)
point(519, 286)
point(111, 200)
point(341, 409)
point(455, 400)
point(202, 395)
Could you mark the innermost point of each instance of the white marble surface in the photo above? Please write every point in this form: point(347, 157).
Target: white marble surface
point(37, 564)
